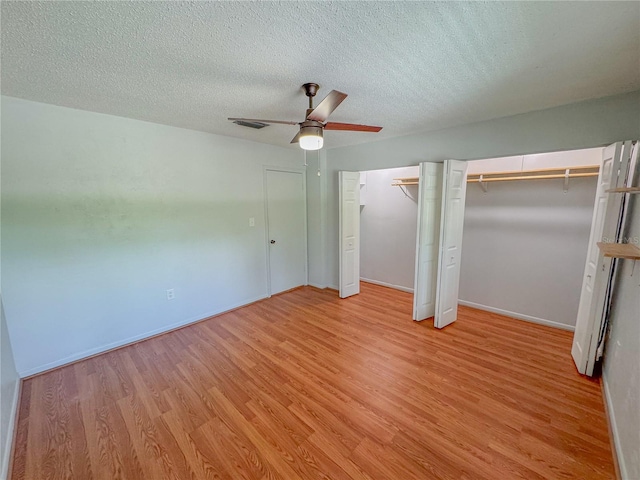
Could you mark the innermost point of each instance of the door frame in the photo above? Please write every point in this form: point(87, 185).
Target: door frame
point(441, 175)
point(303, 172)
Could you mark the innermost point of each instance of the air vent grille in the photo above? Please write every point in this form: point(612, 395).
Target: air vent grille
point(256, 125)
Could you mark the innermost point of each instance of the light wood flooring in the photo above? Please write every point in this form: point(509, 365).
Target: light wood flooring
point(307, 386)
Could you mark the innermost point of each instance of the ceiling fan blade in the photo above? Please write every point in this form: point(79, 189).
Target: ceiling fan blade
point(352, 127)
point(296, 138)
point(326, 106)
point(283, 122)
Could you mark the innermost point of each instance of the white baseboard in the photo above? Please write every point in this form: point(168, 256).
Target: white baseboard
point(136, 338)
point(317, 285)
point(389, 285)
point(613, 427)
point(519, 316)
point(8, 442)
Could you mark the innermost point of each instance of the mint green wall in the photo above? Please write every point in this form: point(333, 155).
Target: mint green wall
point(621, 373)
point(102, 214)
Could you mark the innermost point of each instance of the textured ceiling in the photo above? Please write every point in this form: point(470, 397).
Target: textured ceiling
point(407, 66)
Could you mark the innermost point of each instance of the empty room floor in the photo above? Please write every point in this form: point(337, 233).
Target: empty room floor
point(306, 385)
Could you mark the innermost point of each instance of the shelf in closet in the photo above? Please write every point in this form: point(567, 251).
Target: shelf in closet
point(537, 174)
point(624, 190)
point(399, 182)
point(620, 250)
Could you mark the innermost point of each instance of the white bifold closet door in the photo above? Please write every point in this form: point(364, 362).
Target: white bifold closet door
point(598, 268)
point(454, 191)
point(427, 240)
point(349, 201)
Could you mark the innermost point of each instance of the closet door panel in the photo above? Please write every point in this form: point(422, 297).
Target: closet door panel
point(427, 240)
point(349, 201)
point(454, 191)
point(597, 270)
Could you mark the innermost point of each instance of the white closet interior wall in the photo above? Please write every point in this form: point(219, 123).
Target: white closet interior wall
point(388, 222)
point(525, 241)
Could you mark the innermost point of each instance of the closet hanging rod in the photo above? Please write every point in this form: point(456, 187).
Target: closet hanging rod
point(531, 177)
point(541, 170)
point(536, 174)
point(624, 190)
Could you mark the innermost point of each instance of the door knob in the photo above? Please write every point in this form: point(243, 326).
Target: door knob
point(272, 242)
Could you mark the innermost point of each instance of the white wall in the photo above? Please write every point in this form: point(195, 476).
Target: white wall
point(316, 215)
point(621, 373)
point(525, 242)
point(571, 158)
point(388, 223)
point(9, 389)
point(101, 215)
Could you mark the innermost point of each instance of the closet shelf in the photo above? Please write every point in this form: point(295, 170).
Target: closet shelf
point(620, 250)
point(538, 174)
point(399, 182)
point(624, 190)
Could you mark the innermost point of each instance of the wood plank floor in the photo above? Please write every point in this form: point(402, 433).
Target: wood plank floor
point(308, 386)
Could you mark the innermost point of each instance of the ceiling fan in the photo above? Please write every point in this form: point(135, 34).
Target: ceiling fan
point(310, 135)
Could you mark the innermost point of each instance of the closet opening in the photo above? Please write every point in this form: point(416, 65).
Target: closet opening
point(527, 222)
point(536, 233)
point(388, 219)
point(546, 247)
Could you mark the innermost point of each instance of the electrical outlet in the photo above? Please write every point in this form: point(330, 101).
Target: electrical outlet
point(252, 222)
point(171, 294)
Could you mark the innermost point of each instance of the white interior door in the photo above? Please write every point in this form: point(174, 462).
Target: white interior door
point(286, 229)
point(349, 201)
point(429, 198)
point(598, 268)
point(454, 191)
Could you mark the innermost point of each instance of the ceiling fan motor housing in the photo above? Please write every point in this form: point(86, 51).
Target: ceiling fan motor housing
point(311, 127)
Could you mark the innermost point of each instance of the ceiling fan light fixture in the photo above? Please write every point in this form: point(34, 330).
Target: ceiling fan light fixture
point(311, 138)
